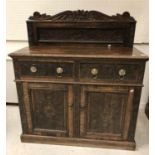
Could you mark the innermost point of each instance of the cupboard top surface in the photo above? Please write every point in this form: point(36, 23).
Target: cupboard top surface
point(80, 51)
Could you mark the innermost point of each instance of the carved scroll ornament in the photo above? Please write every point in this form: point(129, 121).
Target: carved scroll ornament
point(80, 15)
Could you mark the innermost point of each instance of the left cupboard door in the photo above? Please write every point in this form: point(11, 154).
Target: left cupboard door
point(48, 109)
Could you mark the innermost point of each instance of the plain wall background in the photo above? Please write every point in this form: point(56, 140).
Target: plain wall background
point(18, 12)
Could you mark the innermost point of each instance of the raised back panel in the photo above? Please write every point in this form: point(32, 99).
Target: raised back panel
point(110, 109)
point(81, 27)
point(49, 108)
point(103, 112)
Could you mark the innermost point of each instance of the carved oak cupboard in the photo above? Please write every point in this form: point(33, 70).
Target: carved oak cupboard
point(79, 81)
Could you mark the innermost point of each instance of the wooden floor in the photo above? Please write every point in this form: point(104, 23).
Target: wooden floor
point(16, 147)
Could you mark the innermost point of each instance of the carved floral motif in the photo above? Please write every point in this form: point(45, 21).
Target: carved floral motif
point(80, 15)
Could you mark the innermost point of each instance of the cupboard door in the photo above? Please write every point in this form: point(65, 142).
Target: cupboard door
point(49, 108)
point(105, 112)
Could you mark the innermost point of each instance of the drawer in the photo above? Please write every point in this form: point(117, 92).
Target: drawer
point(97, 71)
point(103, 72)
point(43, 69)
point(129, 73)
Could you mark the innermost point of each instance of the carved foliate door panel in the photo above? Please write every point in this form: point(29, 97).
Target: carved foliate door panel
point(49, 108)
point(105, 112)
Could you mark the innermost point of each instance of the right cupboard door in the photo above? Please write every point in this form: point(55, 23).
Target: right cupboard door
point(105, 112)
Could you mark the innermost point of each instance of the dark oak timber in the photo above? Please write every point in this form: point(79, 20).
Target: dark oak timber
point(79, 81)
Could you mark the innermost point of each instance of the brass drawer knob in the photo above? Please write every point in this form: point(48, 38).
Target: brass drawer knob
point(33, 69)
point(122, 72)
point(59, 70)
point(94, 71)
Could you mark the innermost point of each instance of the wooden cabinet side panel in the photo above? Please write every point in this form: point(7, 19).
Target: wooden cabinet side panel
point(133, 121)
point(76, 110)
point(22, 107)
point(82, 113)
point(27, 106)
point(70, 111)
point(128, 114)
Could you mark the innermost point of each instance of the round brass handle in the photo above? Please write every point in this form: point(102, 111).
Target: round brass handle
point(59, 70)
point(33, 69)
point(122, 72)
point(94, 71)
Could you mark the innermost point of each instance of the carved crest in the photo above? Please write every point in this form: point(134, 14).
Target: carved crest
point(80, 15)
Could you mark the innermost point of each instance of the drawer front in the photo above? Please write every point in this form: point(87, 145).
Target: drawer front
point(51, 69)
point(97, 71)
point(128, 73)
point(123, 73)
